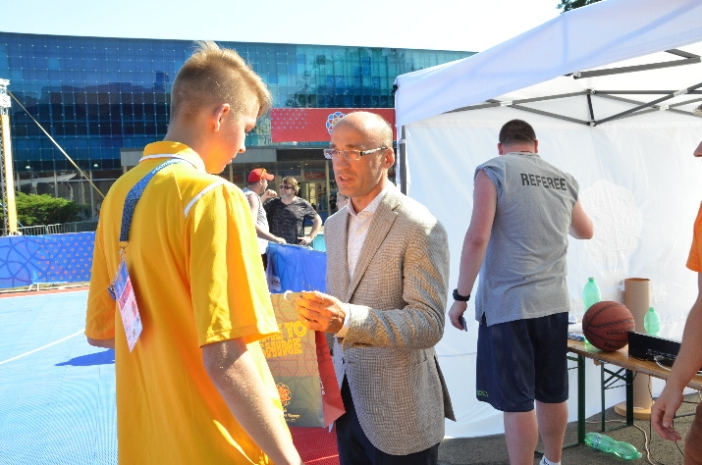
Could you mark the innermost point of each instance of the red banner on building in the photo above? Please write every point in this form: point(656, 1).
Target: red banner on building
point(315, 175)
point(315, 124)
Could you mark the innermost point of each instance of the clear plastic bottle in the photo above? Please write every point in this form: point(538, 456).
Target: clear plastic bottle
point(621, 449)
point(591, 295)
point(652, 322)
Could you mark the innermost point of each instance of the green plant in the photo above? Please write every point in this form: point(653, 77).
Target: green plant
point(33, 209)
point(568, 5)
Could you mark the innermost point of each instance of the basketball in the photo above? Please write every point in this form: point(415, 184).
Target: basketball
point(606, 325)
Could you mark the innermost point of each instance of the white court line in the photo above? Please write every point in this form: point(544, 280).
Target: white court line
point(41, 348)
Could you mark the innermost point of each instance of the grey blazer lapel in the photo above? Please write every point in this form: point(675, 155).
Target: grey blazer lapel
point(383, 219)
point(340, 256)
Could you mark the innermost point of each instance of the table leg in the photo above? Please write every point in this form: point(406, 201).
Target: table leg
point(603, 388)
point(629, 397)
point(581, 399)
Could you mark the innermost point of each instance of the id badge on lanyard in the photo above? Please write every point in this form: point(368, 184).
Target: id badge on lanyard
point(121, 288)
point(126, 300)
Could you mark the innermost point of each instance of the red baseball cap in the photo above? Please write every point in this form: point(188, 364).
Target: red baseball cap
point(258, 173)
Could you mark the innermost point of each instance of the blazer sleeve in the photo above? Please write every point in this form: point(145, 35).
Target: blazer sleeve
point(401, 301)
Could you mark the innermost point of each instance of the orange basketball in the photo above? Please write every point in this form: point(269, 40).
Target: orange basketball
point(607, 324)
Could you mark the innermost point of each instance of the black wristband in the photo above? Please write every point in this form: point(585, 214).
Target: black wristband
point(459, 297)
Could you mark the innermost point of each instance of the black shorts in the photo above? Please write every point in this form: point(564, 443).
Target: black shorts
point(523, 360)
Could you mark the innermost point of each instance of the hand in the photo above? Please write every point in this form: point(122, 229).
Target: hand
point(320, 312)
point(268, 194)
point(456, 312)
point(280, 240)
point(663, 411)
point(106, 343)
point(304, 240)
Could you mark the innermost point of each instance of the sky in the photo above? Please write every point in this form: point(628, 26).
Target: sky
point(465, 25)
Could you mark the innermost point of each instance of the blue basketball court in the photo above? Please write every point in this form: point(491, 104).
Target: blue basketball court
point(57, 393)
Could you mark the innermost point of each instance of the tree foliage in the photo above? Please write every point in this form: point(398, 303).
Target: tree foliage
point(567, 5)
point(33, 209)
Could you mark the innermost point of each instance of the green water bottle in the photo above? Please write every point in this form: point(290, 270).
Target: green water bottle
point(591, 295)
point(652, 322)
point(621, 449)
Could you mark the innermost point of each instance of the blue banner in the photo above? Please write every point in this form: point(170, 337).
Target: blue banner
point(58, 258)
point(295, 268)
point(67, 258)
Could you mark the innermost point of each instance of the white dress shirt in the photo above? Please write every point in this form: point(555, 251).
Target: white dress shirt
point(358, 225)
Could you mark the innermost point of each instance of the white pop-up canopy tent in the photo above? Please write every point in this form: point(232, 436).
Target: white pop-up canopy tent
point(611, 91)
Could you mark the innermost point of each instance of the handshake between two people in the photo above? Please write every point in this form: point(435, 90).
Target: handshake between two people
point(320, 312)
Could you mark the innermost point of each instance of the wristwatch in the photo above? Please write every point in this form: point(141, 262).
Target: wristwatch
point(459, 297)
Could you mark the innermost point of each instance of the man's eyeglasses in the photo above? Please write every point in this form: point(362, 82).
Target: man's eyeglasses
point(355, 155)
point(283, 186)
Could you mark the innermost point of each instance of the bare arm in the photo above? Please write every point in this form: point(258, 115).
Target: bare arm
point(580, 224)
point(475, 242)
point(316, 224)
point(253, 202)
point(688, 361)
point(261, 232)
point(234, 373)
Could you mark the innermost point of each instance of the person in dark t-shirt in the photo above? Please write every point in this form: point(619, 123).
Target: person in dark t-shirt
point(287, 214)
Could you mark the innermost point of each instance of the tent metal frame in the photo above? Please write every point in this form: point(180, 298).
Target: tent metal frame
point(689, 59)
point(641, 108)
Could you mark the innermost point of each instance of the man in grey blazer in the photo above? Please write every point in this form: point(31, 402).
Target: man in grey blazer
point(387, 274)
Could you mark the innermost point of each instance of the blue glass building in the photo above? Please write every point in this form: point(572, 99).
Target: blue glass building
point(98, 97)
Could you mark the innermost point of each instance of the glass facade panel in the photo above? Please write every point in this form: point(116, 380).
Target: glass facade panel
point(99, 96)
point(96, 96)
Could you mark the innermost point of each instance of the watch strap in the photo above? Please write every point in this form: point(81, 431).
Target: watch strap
point(459, 297)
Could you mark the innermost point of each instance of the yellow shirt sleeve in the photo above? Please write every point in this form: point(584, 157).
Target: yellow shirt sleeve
point(228, 285)
point(100, 316)
point(694, 261)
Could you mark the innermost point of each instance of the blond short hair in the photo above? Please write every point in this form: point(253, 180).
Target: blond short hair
point(291, 181)
point(214, 75)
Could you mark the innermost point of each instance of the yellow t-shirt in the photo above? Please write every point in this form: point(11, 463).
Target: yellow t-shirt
point(694, 261)
point(194, 263)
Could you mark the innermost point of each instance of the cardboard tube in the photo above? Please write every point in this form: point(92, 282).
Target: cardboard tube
point(637, 298)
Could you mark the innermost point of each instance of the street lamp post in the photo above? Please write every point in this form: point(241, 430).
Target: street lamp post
point(7, 173)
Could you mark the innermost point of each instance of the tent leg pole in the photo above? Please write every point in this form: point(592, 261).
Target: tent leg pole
point(402, 152)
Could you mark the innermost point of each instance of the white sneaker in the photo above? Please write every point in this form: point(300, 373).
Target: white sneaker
point(544, 461)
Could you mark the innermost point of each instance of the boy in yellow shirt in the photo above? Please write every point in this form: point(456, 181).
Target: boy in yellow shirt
point(196, 388)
